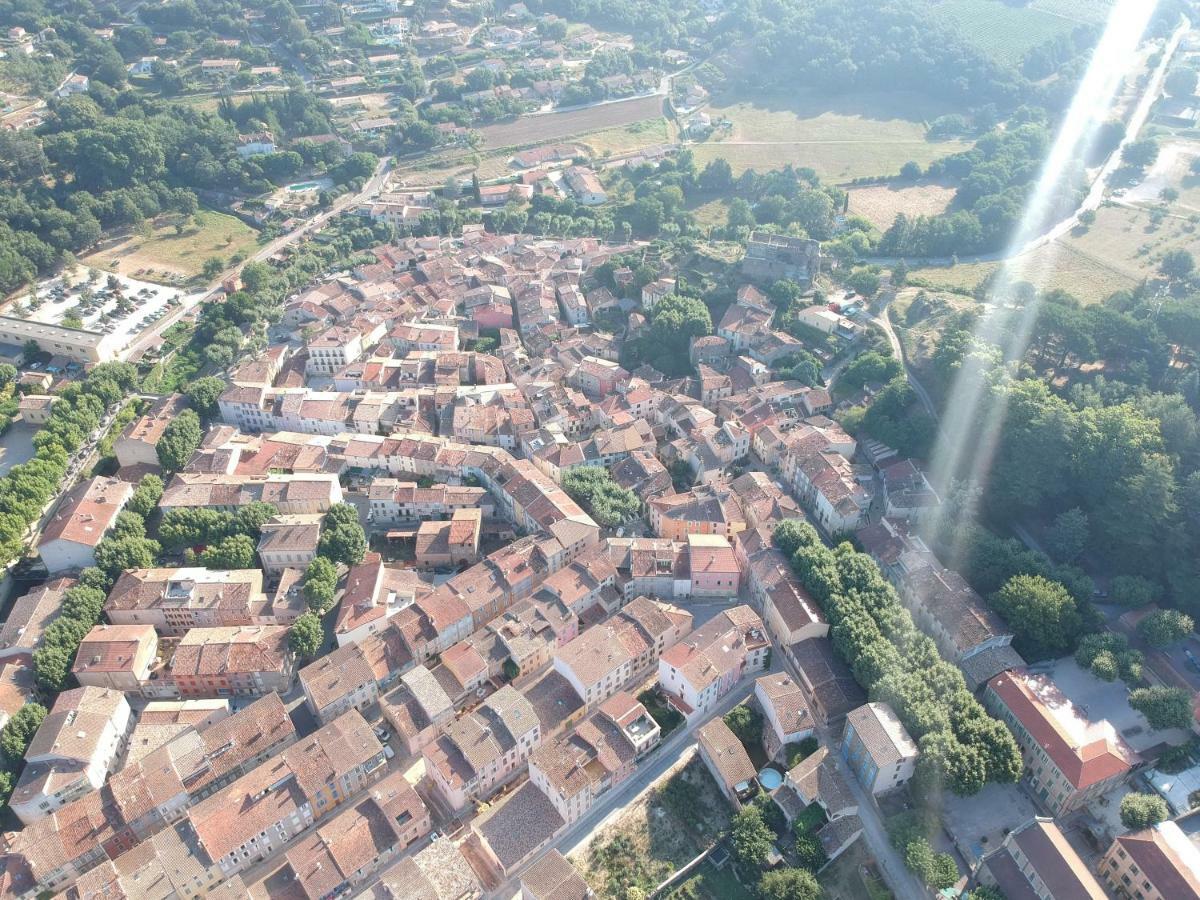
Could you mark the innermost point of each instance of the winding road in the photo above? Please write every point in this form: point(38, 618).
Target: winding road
point(1100, 184)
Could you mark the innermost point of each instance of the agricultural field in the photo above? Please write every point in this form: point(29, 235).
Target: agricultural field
point(528, 130)
point(164, 253)
point(1007, 32)
point(880, 204)
point(842, 138)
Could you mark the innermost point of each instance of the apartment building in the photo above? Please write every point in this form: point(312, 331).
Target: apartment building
point(1070, 758)
point(175, 601)
point(242, 661)
point(79, 742)
point(575, 770)
point(698, 671)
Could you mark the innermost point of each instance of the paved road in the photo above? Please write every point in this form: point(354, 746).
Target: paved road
point(1101, 184)
point(667, 755)
point(369, 189)
point(899, 879)
point(885, 323)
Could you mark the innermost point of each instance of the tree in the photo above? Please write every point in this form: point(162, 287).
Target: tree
point(1163, 707)
point(1140, 154)
point(937, 870)
point(116, 554)
point(809, 852)
point(1108, 656)
point(864, 281)
point(1043, 616)
point(145, 498)
point(18, 731)
point(8, 374)
point(320, 584)
point(1142, 810)
point(746, 723)
point(870, 368)
point(212, 267)
point(341, 514)
point(1177, 264)
point(1132, 590)
point(1181, 82)
point(306, 636)
point(675, 321)
point(204, 393)
point(51, 666)
point(789, 884)
point(1163, 628)
point(179, 441)
point(344, 543)
point(752, 839)
point(1069, 535)
point(596, 491)
point(233, 552)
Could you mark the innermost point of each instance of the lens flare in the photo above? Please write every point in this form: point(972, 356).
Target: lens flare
point(966, 447)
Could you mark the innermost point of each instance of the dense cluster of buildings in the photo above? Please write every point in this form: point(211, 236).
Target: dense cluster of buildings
point(494, 630)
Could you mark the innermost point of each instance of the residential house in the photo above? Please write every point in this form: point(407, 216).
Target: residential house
point(138, 441)
point(483, 749)
point(118, 657)
point(609, 657)
point(878, 748)
point(82, 518)
point(79, 742)
point(1156, 863)
point(553, 878)
point(342, 854)
point(698, 671)
point(727, 760)
point(289, 542)
point(29, 617)
point(175, 601)
point(787, 718)
point(239, 661)
point(338, 682)
point(576, 769)
point(266, 809)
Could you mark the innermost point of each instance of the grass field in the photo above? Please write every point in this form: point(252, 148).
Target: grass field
point(714, 213)
point(557, 126)
point(1006, 32)
point(627, 138)
point(846, 137)
point(165, 252)
point(880, 204)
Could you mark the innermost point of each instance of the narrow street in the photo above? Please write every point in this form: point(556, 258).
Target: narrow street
point(611, 805)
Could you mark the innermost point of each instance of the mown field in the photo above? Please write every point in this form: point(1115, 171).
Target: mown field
point(1007, 32)
point(881, 203)
point(529, 130)
point(628, 138)
point(851, 136)
point(168, 253)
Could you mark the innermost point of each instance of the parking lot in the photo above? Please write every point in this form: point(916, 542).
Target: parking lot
point(103, 302)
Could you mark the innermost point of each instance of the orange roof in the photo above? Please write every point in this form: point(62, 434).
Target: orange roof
point(1030, 698)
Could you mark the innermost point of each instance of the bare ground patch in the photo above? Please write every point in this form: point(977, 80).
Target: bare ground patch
point(880, 204)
